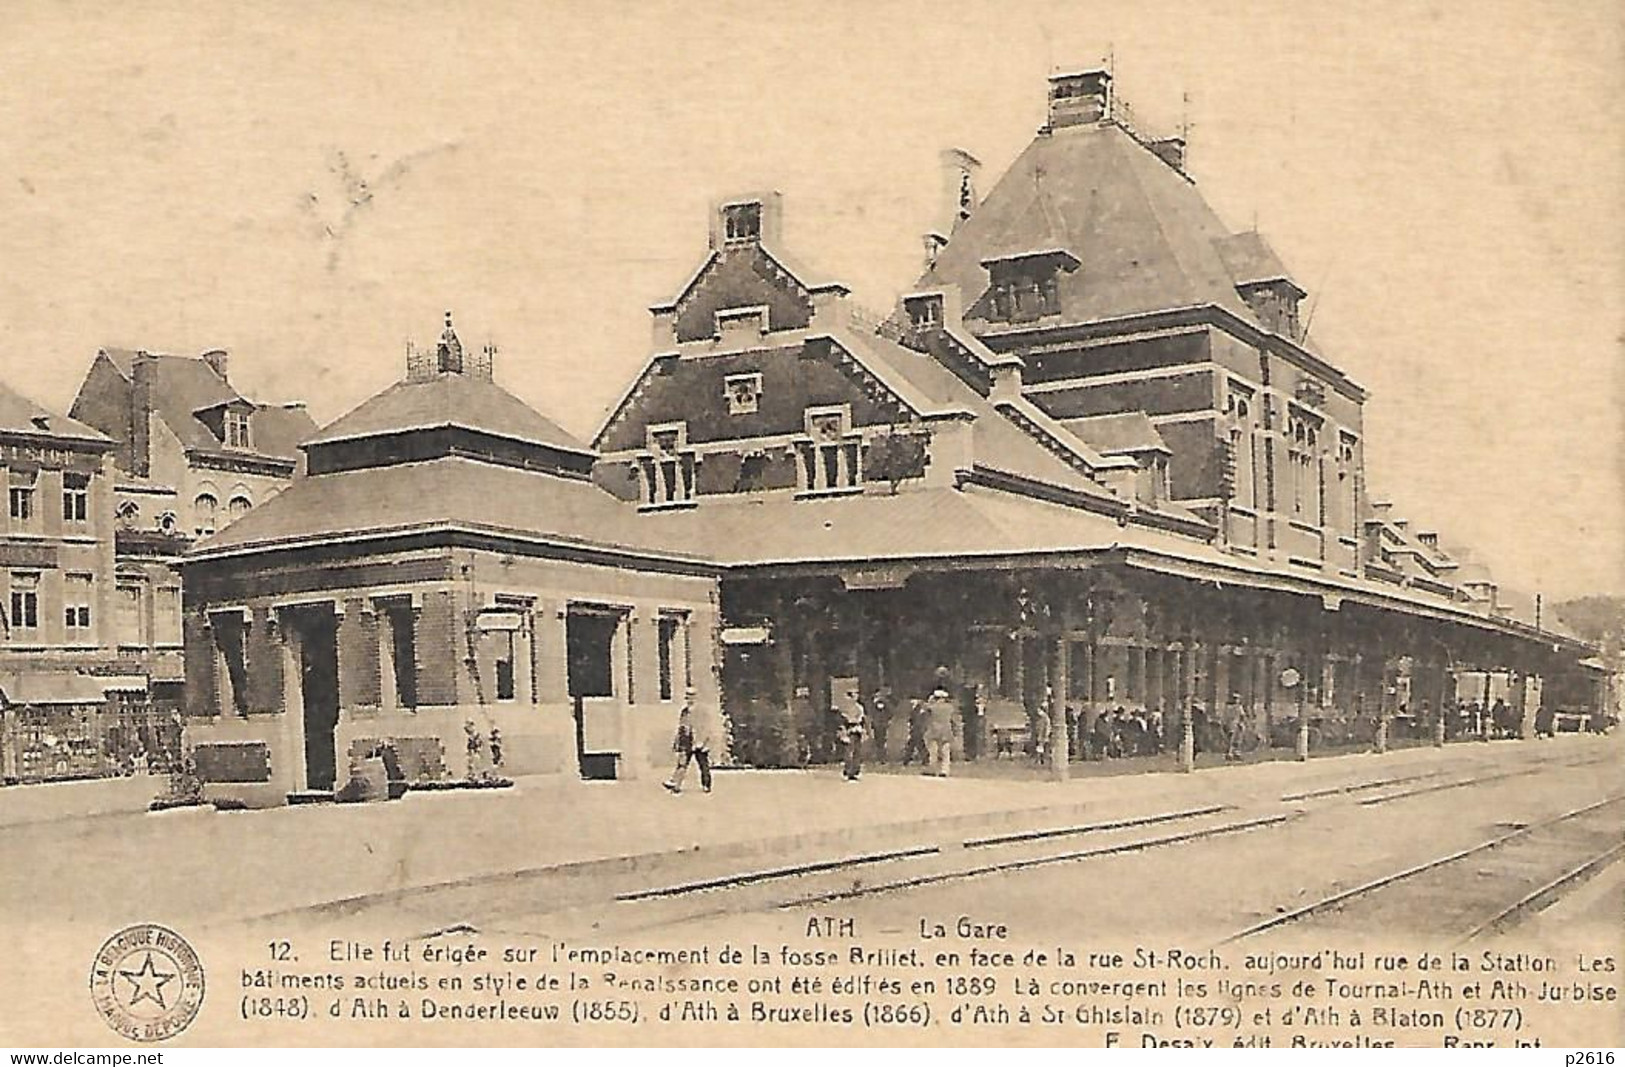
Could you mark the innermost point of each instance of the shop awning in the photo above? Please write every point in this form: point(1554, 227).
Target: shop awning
point(65, 687)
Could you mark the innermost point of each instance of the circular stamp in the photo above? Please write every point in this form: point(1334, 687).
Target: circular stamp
point(147, 982)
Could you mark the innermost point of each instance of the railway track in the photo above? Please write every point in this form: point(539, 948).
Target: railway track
point(1500, 776)
point(1519, 862)
point(914, 865)
point(811, 884)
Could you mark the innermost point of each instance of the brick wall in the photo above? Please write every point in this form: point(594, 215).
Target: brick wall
point(265, 655)
point(440, 649)
point(202, 698)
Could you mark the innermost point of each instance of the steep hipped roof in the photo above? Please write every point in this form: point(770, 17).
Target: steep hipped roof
point(20, 415)
point(449, 400)
point(183, 386)
point(1146, 238)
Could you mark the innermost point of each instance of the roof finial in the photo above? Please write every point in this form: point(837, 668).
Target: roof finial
point(449, 353)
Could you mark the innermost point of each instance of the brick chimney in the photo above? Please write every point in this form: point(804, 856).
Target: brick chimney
point(1079, 98)
point(141, 371)
point(218, 362)
point(747, 220)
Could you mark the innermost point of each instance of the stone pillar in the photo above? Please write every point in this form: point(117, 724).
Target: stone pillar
point(1060, 749)
point(552, 665)
point(1092, 685)
point(1187, 742)
point(357, 655)
point(1155, 680)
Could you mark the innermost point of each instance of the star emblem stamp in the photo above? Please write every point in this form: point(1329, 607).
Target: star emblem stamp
point(147, 982)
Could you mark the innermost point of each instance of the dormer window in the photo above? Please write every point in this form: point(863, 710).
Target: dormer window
point(1027, 287)
point(1275, 302)
point(924, 312)
point(743, 392)
point(742, 222)
point(236, 429)
point(667, 467)
point(831, 459)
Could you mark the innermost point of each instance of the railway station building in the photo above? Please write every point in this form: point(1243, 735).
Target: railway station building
point(447, 579)
point(1091, 460)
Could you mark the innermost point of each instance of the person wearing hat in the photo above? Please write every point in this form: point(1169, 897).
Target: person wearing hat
point(695, 734)
point(939, 726)
point(853, 726)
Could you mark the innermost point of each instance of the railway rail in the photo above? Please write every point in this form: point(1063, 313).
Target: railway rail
point(1433, 888)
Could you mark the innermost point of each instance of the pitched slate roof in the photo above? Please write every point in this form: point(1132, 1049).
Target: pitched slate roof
point(449, 399)
point(452, 491)
point(942, 523)
point(998, 442)
point(182, 386)
point(1146, 238)
point(1250, 258)
point(1118, 434)
point(279, 429)
point(20, 415)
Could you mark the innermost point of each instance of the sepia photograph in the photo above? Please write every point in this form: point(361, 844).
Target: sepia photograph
point(1048, 524)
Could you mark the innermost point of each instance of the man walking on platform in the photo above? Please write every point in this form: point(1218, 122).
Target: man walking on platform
point(696, 731)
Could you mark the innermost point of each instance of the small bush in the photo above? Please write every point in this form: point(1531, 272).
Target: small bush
point(484, 782)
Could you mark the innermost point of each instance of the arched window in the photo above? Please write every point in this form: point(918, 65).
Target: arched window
point(129, 513)
point(237, 507)
point(204, 509)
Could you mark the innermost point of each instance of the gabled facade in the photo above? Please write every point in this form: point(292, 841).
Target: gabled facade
point(766, 387)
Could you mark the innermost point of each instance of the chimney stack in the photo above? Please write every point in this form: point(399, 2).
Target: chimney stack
point(1079, 98)
point(750, 219)
point(217, 361)
point(141, 414)
point(1171, 150)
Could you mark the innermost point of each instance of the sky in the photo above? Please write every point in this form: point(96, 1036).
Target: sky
point(310, 185)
